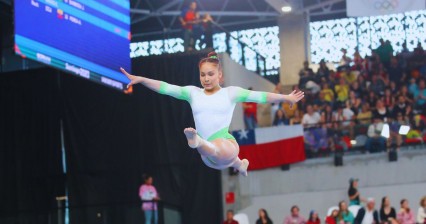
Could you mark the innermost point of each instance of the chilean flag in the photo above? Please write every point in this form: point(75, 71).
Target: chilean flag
point(271, 146)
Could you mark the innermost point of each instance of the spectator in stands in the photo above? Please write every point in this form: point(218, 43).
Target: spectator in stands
point(385, 52)
point(320, 102)
point(387, 212)
point(313, 218)
point(289, 111)
point(263, 217)
point(348, 117)
point(344, 60)
point(388, 100)
point(250, 114)
point(362, 85)
point(188, 19)
point(396, 73)
point(359, 93)
point(400, 107)
point(328, 93)
point(294, 217)
point(342, 90)
point(394, 127)
point(371, 99)
point(365, 115)
point(353, 193)
point(298, 117)
point(408, 97)
point(377, 85)
point(306, 74)
point(311, 118)
point(344, 214)
point(381, 111)
point(412, 86)
point(354, 102)
point(322, 72)
point(394, 89)
point(327, 116)
point(420, 96)
point(331, 219)
point(280, 118)
point(405, 214)
point(230, 218)
point(421, 212)
point(374, 136)
point(147, 192)
point(367, 214)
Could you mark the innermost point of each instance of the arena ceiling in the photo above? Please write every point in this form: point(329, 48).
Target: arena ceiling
point(158, 19)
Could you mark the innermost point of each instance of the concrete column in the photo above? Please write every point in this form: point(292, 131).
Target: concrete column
point(294, 46)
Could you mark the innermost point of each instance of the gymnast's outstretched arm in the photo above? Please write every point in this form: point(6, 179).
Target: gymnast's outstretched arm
point(182, 93)
point(238, 94)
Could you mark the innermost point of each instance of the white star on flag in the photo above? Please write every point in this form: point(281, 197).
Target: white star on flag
point(243, 134)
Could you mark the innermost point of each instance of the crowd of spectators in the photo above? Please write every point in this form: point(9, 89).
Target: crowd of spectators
point(359, 211)
point(352, 105)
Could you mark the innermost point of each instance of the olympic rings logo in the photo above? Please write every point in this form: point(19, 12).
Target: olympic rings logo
point(386, 5)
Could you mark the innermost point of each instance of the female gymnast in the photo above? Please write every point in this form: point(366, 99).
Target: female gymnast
point(212, 107)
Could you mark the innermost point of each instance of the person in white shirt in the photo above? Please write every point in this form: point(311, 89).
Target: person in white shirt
point(375, 137)
point(421, 213)
point(367, 214)
point(311, 118)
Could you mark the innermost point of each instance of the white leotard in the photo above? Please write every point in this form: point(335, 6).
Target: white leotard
point(212, 113)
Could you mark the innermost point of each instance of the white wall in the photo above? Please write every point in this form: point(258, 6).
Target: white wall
point(318, 184)
point(237, 75)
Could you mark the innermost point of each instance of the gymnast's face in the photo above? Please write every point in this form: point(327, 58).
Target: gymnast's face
point(210, 76)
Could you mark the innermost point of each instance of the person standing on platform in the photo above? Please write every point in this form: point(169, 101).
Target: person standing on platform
point(353, 193)
point(188, 19)
point(147, 192)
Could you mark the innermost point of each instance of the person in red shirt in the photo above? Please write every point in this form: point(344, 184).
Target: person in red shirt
point(230, 218)
point(250, 114)
point(313, 218)
point(331, 219)
point(188, 18)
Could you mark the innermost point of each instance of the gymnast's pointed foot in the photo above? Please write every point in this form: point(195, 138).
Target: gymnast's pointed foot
point(243, 167)
point(192, 137)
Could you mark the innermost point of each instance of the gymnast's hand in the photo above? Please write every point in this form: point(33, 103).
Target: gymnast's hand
point(133, 78)
point(294, 97)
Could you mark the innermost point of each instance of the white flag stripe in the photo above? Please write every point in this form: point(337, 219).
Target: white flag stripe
point(273, 134)
point(382, 7)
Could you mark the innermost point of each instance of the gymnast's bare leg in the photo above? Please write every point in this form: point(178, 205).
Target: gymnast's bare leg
point(219, 153)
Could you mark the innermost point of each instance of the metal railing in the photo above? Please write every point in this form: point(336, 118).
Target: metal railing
point(350, 137)
point(260, 59)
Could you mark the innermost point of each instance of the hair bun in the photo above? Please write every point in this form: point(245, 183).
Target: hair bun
point(212, 54)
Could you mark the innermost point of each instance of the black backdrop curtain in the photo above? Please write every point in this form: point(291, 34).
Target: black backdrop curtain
point(110, 140)
point(30, 150)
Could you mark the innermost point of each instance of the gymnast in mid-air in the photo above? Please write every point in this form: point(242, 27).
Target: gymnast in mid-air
point(212, 107)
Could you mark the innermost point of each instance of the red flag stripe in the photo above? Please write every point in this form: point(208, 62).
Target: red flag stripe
point(274, 154)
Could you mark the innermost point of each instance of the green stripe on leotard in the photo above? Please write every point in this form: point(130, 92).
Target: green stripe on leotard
point(245, 95)
point(242, 95)
point(222, 133)
point(178, 92)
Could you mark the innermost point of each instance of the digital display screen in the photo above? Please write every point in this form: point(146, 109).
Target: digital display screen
point(87, 38)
